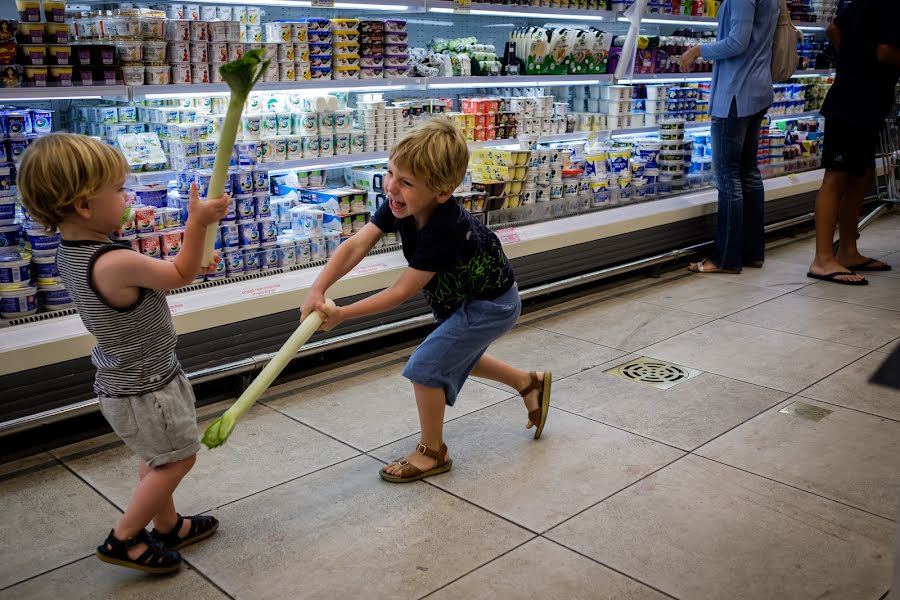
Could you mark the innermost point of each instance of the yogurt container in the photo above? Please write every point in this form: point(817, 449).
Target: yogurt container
point(41, 241)
point(160, 75)
point(234, 264)
point(248, 233)
point(231, 237)
point(45, 269)
point(7, 210)
point(302, 250)
point(54, 296)
point(18, 303)
point(9, 235)
point(15, 271)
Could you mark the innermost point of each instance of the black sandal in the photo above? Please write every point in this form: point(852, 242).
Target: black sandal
point(156, 559)
point(202, 526)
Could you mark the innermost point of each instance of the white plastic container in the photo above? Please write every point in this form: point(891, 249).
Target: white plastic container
point(18, 303)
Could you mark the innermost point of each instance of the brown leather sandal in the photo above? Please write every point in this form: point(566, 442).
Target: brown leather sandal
point(538, 416)
point(412, 473)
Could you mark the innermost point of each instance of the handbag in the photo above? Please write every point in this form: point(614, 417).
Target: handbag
point(785, 59)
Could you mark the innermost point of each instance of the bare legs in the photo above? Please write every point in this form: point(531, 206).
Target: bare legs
point(431, 402)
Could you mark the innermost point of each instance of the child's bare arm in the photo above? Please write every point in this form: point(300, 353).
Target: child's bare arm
point(118, 274)
point(409, 283)
point(348, 255)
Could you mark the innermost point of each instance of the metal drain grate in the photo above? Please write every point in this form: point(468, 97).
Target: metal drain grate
point(657, 373)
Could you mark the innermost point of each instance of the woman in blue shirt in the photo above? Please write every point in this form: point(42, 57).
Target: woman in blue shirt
point(741, 95)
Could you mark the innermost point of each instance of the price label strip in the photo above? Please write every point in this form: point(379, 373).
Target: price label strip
point(323, 3)
point(460, 7)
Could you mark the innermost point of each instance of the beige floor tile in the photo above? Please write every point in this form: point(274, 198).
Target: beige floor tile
point(891, 347)
point(800, 252)
point(839, 322)
point(847, 456)
point(498, 465)
point(850, 387)
point(344, 533)
point(776, 274)
point(782, 361)
point(28, 463)
point(703, 531)
point(50, 518)
point(622, 324)
point(711, 296)
point(371, 407)
point(537, 350)
point(882, 292)
point(542, 570)
point(686, 415)
point(265, 449)
point(90, 579)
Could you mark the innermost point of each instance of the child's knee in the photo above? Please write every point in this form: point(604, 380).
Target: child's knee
point(181, 466)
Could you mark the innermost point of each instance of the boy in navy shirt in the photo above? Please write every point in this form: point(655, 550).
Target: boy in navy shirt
point(459, 265)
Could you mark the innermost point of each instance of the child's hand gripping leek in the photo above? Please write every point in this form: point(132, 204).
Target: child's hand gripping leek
point(217, 433)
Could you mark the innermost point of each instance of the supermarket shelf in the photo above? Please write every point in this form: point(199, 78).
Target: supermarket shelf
point(435, 83)
point(322, 85)
point(32, 94)
point(524, 12)
point(657, 19)
point(803, 115)
point(687, 20)
point(56, 340)
point(408, 6)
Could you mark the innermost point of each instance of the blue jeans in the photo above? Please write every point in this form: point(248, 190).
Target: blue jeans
point(741, 218)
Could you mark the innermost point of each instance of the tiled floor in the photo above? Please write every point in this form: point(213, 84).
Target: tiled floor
point(706, 490)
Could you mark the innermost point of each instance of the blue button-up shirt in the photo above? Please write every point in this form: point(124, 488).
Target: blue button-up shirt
point(742, 55)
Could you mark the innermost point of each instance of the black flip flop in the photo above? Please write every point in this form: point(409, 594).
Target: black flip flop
point(832, 278)
point(866, 266)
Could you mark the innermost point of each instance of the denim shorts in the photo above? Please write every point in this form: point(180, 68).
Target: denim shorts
point(449, 354)
point(161, 426)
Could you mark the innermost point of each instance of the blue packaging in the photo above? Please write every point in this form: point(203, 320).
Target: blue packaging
point(269, 256)
point(9, 235)
point(41, 241)
point(183, 181)
point(230, 237)
point(15, 271)
point(221, 270)
point(202, 178)
point(242, 181)
point(231, 214)
point(263, 204)
point(7, 209)
point(45, 270)
point(234, 264)
point(54, 296)
point(286, 253)
point(268, 231)
point(251, 260)
point(245, 207)
point(18, 303)
point(260, 180)
point(249, 234)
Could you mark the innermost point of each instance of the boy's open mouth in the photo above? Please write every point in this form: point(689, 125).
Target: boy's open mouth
point(396, 205)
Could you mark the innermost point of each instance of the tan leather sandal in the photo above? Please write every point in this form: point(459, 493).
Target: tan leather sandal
point(412, 473)
point(538, 416)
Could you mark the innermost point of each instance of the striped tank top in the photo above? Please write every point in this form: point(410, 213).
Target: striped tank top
point(135, 351)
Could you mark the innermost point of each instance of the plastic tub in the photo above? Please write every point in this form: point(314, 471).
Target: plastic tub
point(41, 241)
point(45, 270)
point(54, 297)
point(15, 271)
point(9, 235)
point(56, 33)
point(29, 11)
point(155, 52)
point(18, 303)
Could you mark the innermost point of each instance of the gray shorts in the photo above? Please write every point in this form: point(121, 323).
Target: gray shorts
point(161, 426)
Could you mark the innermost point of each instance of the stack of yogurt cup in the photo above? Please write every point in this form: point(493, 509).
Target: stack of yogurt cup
point(396, 49)
point(674, 156)
point(371, 48)
point(346, 48)
point(321, 51)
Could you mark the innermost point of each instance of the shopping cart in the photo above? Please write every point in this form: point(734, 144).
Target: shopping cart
point(887, 178)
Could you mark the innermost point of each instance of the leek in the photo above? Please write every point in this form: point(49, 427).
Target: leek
point(217, 433)
point(240, 75)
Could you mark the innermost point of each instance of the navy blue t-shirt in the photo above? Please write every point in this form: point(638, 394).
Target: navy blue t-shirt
point(863, 89)
point(465, 256)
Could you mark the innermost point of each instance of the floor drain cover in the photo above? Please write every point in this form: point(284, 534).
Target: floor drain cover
point(658, 373)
